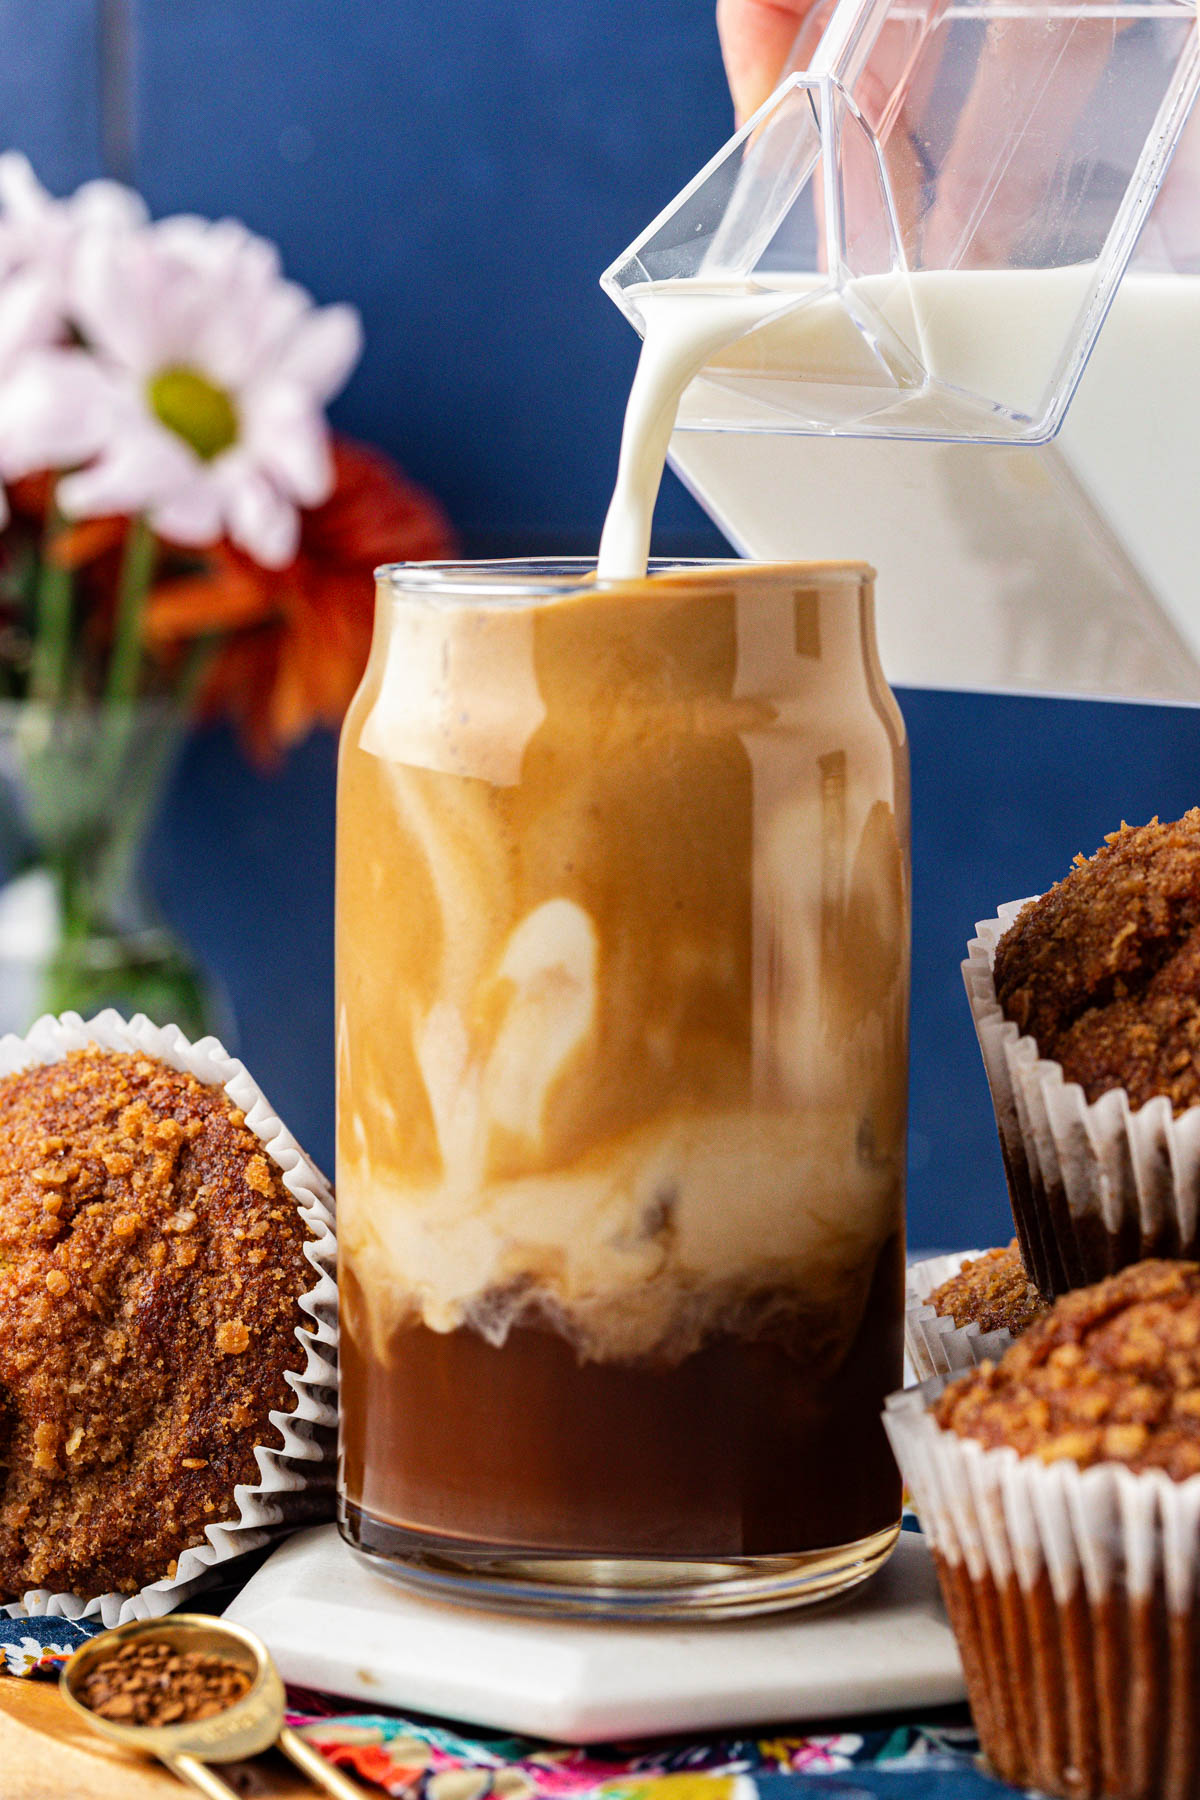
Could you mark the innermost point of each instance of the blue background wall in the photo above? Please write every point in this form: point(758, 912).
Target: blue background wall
point(462, 173)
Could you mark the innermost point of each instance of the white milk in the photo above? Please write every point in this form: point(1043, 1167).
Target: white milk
point(1068, 566)
point(686, 325)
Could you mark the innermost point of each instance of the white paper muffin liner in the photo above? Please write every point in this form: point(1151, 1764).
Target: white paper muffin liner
point(297, 1474)
point(935, 1345)
point(1073, 1596)
point(1093, 1186)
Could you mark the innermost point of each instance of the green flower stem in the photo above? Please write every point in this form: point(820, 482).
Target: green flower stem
point(136, 791)
point(199, 660)
point(52, 608)
point(137, 567)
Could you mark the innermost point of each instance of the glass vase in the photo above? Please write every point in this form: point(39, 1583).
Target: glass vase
point(81, 788)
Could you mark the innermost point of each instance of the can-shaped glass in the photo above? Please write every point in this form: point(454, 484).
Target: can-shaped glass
point(622, 964)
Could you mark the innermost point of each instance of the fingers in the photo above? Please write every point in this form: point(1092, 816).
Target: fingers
point(1029, 92)
point(756, 42)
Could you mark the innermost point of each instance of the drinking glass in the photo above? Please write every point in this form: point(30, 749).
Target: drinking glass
point(622, 951)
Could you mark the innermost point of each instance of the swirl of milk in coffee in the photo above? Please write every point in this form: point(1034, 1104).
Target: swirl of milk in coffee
point(634, 1066)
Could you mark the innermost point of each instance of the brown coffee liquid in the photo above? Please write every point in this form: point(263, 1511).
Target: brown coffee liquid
point(735, 1451)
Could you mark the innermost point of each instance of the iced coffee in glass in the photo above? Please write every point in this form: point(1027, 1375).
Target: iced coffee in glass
point(622, 947)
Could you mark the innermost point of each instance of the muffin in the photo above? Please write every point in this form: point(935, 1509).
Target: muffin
point(991, 1291)
point(152, 1261)
point(1060, 1492)
point(1087, 1005)
point(1104, 970)
point(963, 1308)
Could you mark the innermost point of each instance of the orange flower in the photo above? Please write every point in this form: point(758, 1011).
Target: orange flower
point(300, 635)
point(227, 593)
point(29, 497)
point(75, 546)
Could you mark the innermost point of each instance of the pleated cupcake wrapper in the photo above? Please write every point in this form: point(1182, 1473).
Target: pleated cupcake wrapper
point(1094, 1186)
point(296, 1475)
point(935, 1345)
point(1073, 1596)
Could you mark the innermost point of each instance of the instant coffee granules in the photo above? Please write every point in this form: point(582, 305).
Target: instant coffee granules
point(149, 1682)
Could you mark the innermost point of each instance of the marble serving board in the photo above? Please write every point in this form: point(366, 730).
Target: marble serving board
point(332, 1623)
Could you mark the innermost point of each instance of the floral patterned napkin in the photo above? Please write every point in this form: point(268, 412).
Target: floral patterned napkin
point(418, 1760)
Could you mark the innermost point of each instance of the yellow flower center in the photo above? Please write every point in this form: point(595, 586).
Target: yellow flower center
point(194, 408)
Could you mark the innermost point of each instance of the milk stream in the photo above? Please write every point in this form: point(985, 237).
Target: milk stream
point(686, 325)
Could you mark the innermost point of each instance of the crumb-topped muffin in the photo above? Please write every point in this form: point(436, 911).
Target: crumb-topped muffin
point(151, 1261)
point(1071, 1569)
point(992, 1291)
point(1087, 1007)
point(1104, 969)
point(1110, 1374)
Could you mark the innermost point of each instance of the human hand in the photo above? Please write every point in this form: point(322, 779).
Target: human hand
point(757, 38)
point(967, 202)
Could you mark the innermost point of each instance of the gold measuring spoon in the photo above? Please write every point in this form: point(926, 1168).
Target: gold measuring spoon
point(252, 1724)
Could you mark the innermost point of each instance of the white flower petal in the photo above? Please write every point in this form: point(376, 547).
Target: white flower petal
point(242, 336)
point(28, 314)
point(115, 287)
point(287, 437)
point(192, 515)
point(143, 469)
point(107, 204)
point(21, 193)
point(42, 235)
point(324, 348)
point(53, 412)
point(262, 522)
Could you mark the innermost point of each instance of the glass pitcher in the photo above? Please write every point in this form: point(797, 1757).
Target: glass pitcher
point(977, 228)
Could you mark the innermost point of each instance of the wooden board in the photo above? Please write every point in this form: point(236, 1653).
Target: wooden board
point(46, 1753)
